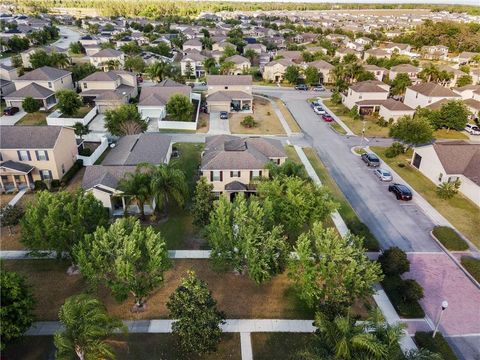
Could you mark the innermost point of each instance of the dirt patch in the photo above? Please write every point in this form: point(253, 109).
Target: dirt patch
point(203, 123)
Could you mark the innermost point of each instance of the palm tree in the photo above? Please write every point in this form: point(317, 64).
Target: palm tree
point(159, 70)
point(87, 326)
point(429, 73)
point(137, 187)
point(209, 64)
point(388, 335)
point(168, 182)
point(226, 67)
point(113, 64)
point(59, 60)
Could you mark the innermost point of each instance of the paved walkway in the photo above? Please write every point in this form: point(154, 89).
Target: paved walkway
point(13, 119)
point(17, 197)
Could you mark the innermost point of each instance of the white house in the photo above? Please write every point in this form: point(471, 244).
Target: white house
point(365, 94)
point(192, 64)
point(425, 94)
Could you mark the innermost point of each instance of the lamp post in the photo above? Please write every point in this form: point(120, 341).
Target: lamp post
point(444, 307)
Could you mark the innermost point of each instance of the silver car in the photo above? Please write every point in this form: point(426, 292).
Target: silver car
point(383, 175)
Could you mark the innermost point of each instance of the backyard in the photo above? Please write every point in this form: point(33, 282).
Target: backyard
point(36, 118)
point(81, 112)
point(461, 212)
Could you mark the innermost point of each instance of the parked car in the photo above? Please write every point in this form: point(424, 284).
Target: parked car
point(383, 175)
point(402, 192)
point(319, 110)
point(371, 159)
point(223, 115)
point(327, 118)
point(302, 87)
point(11, 110)
point(318, 87)
point(315, 103)
point(472, 129)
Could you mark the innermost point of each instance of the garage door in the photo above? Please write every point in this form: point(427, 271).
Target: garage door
point(150, 113)
point(16, 103)
point(217, 108)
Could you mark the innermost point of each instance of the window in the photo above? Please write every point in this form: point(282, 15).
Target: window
point(255, 174)
point(46, 174)
point(63, 168)
point(42, 155)
point(453, 178)
point(216, 175)
point(235, 173)
point(49, 85)
point(440, 177)
point(24, 155)
point(1, 157)
point(226, 87)
point(84, 85)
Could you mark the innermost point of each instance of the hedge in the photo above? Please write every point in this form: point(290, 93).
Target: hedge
point(393, 286)
point(472, 265)
point(449, 238)
point(438, 344)
point(359, 228)
point(71, 173)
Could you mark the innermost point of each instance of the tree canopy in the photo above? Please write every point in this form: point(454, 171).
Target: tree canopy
point(179, 108)
point(125, 120)
point(412, 131)
point(68, 101)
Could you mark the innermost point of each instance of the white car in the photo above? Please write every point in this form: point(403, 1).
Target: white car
point(319, 110)
point(472, 129)
point(383, 175)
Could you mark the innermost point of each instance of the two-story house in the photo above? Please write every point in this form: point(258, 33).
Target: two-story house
point(377, 71)
point(47, 49)
point(241, 64)
point(221, 46)
point(30, 153)
point(425, 94)
point(324, 69)
point(193, 44)
point(192, 64)
point(275, 70)
point(435, 52)
point(366, 95)
point(108, 57)
point(410, 70)
point(229, 93)
point(257, 47)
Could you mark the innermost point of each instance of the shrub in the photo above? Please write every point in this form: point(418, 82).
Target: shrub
point(411, 290)
point(393, 286)
point(249, 122)
point(394, 150)
point(472, 265)
point(30, 105)
point(448, 190)
point(336, 97)
point(359, 228)
point(85, 152)
point(394, 261)
point(449, 238)
point(401, 165)
point(40, 185)
point(438, 344)
point(55, 184)
point(382, 122)
point(71, 173)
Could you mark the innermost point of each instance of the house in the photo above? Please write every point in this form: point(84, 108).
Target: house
point(192, 64)
point(449, 161)
point(465, 57)
point(467, 91)
point(108, 56)
point(231, 163)
point(366, 95)
point(30, 153)
point(229, 93)
point(292, 55)
point(376, 53)
point(242, 64)
point(410, 70)
point(153, 99)
point(108, 90)
point(435, 52)
point(393, 109)
point(377, 71)
point(425, 94)
point(397, 48)
point(342, 52)
point(257, 47)
point(92, 49)
point(193, 44)
point(454, 73)
point(275, 70)
point(7, 74)
point(221, 46)
point(324, 69)
point(40, 84)
point(25, 55)
point(131, 150)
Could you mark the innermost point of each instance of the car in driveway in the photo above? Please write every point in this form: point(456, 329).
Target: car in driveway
point(11, 110)
point(371, 159)
point(402, 192)
point(327, 118)
point(472, 129)
point(319, 110)
point(223, 115)
point(302, 87)
point(383, 174)
point(318, 87)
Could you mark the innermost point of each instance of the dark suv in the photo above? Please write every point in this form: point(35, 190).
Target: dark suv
point(9, 111)
point(402, 192)
point(301, 87)
point(371, 159)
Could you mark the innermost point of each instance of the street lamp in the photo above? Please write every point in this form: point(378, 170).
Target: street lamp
point(444, 307)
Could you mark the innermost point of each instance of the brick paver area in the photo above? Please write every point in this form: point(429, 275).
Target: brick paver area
point(443, 280)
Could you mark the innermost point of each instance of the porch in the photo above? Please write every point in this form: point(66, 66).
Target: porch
point(15, 176)
point(369, 107)
point(241, 105)
point(119, 203)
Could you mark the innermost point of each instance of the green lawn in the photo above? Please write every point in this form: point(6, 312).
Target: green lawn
point(452, 134)
point(273, 346)
point(82, 111)
point(472, 265)
point(37, 118)
point(338, 128)
point(461, 212)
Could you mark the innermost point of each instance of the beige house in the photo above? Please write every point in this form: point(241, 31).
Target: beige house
point(425, 94)
point(30, 153)
point(193, 62)
point(104, 57)
point(47, 49)
point(292, 55)
point(257, 47)
point(275, 70)
point(366, 95)
point(242, 64)
point(40, 84)
point(448, 161)
point(108, 90)
point(376, 53)
point(192, 44)
point(377, 71)
point(232, 163)
point(342, 52)
point(397, 48)
point(393, 109)
point(229, 93)
point(325, 70)
point(410, 70)
point(221, 46)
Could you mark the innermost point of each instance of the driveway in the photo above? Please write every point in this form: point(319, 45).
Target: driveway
point(12, 120)
point(71, 37)
point(217, 125)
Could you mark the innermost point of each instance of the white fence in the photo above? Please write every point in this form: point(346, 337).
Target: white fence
point(182, 125)
point(55, 118)
point(90, 160)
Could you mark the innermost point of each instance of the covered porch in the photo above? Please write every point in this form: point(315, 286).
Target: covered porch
point(369, 107)
point(15, 176)
point(121, 202)
point(232, 189)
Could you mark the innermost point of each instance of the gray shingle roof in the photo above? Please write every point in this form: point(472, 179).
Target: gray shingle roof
point(460, 157)
point(29, 137)
point(433, 89)
point(159, 95)
point(104, 175)
point(229, 95)
point(18, 166)
point(33, 90)
point(107, 53)
point(101, 76)
point(229, 80)
point(45, 73)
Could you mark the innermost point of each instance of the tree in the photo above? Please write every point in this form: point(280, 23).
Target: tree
point(10, 215)
point(242, 238)
point(453, 114)
point(411, 291)
point(68, 101)
point(227, 67)
point(197, 319)
point(188, 70)
point(292, 74)
point(464, 80)
point(137, 187)
point(125, 120)
point(30, 105)
point(135, 63)
point(131, 48)
point(179, 108)
point(127, 258)
point(412, 131)
point(17, 44)
point(331, 271)
point(76, 48)
point(399, 84)
point(251, 55)
point(394, 261)
point(87, 328)
point(447, 190)
point(58, 221)
point(312, 75)
point(16, 61)
point(17, 306)
point(59, 60)
point(112, 64)
point(228, 51)
point(249, 122)
point(159, 70)
point(288, 168)
point(202, 203)
point(80, 71)
point(296, 202)
point(429, 73)
point(364, 76)
point(80, 129)
point(209, 64)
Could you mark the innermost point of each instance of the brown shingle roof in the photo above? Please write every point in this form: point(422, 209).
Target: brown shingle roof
point(229, 80)
point(433, 89)
point(159, 95)
point(45, 73)
point(29, 137)
point(460, 157)
point(107, 53)
point(368, 86)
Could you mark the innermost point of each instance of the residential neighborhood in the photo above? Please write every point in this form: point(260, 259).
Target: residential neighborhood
point(236, 180)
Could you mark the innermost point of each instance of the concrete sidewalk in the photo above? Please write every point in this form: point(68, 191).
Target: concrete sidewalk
point(337, 119)
point(17, 197)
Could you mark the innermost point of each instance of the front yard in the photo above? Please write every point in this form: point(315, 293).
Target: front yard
point(267, 121)
point(36, 118)
point(461, 212)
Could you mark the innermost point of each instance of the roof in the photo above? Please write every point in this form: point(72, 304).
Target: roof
point(29, 137)
point(45, 73)
point(17, 166)
point(229, 95)
point(229, 80)
point(472, 103)
point(321, 64)
point(433, 89)
point(192, 42)
point(32, 90)
point(101, 76)
point(368, 86)
point(135, 149)
point(159, 95)
point(283, 62)
point(460, 157)
point(404, 68)
point(395, 105)
point(235, 186)
point(193, 56)
point(369, 67)
point(466, 88)
point(224, 152)
point(104, 175)
point(107, 53)
point(237, 59)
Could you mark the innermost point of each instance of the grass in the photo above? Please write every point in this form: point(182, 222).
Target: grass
point(37, 118)
point(130, 346)
point(335, 126)
point(461, 212)
point(346, 211)
point(203, 123)
point(288, 116)
point(81, 112)
point(438, 344)
point(359, 150)
point(449, 238)
point(264, 115)
point(103, 156)
point(269, 346)
point(372, 129)
point(472, 265)
point(292, 154)
point(410, 310)
point(452, 134)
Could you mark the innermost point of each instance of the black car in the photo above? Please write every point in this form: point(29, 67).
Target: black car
point(301, 87)
point(223, 115)
point(371, 159)
point(402, 192)
point(11, 110)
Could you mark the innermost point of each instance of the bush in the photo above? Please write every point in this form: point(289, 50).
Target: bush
point(449, 238)
point(30, 105)
point(438, 344)
point(394, 261)
point(393, 286)
point(85, 152)
point(55, 184)
point(40, 185)
point(382, 122)
point(336, 97)
point(249, 122)
point(71, 173)
point(394, 150)
point(411, 291)
point(448, 190)
point(472, 265)
point(359, 228)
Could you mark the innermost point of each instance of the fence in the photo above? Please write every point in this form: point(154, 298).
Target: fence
point(55, 118)
point(183, 125)
point(90, 160)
